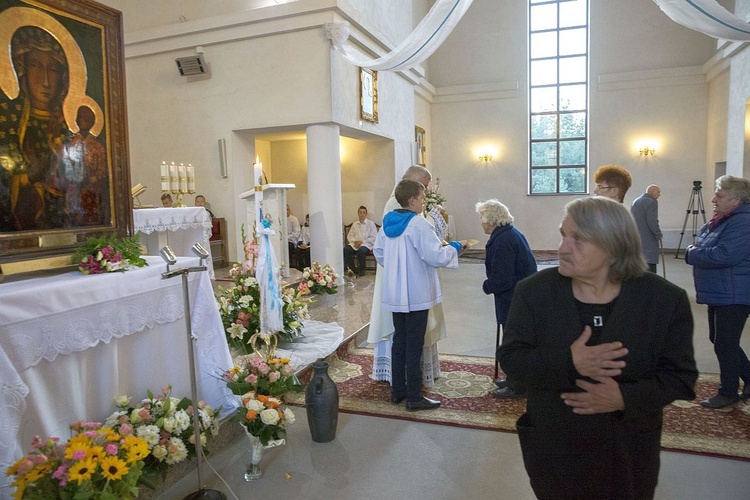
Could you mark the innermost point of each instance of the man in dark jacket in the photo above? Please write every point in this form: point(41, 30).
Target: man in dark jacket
point(645, 210)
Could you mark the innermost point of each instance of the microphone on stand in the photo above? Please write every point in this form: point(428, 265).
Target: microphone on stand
point(169, 257)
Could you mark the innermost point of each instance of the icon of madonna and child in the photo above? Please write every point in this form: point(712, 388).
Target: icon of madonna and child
point(54, 171)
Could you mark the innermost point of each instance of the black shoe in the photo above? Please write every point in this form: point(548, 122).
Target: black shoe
point(719, 401)
point(424, 404)
point(508, 393)
point(501, 383)
point(745, 392)
point(397, 399)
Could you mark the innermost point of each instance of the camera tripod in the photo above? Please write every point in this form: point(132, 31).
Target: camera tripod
point(695, 205)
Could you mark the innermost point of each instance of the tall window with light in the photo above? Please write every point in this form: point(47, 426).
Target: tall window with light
point(558, 96)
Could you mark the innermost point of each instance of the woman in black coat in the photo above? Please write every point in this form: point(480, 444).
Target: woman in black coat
point(508, 260)
point(602, 347)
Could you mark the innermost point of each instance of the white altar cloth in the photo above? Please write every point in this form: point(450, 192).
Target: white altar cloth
point(70, 343)
point(179, 228)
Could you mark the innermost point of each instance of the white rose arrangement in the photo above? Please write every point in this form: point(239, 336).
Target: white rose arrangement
point(165, 423)
point(264, 417)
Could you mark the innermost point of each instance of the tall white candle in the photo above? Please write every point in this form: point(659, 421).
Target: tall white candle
point(183, 178)
point(258, 173)
point(174, 181)
point(164, 177)
point(191, 178)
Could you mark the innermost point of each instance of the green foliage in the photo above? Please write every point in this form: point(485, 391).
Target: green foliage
point(108, 254)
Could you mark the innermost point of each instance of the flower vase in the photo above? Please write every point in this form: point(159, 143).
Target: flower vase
point(253, 470)
point(257, 450)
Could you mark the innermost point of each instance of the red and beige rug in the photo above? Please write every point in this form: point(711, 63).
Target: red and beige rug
point(465, 392)
point(476, 256)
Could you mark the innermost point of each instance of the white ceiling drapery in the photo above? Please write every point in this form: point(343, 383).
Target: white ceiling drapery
point(421, 43)
point(708, 17)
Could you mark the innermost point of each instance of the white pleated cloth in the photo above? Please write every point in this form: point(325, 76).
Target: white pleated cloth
point(421, 43)
point(708, 17)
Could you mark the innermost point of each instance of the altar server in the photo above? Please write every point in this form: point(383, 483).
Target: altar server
point(410, 254)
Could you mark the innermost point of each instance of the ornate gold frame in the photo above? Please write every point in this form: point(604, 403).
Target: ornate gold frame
point(419, 134)
point(368, 94)
point(90, 35)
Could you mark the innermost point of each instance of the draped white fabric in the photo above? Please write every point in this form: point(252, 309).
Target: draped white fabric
point(267, 274)
point(418, 46)
point(318, 341)
point(708, 17)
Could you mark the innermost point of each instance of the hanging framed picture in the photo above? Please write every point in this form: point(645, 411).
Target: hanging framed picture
point(368, 94)
point(421, 148)
point(63, 134)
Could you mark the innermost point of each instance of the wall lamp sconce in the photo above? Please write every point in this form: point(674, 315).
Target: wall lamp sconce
point(486, 153)
point(647, 147)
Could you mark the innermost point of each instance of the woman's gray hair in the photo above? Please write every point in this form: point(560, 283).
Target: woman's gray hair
point(493, 212)
point(738, 186)
point(608, 225)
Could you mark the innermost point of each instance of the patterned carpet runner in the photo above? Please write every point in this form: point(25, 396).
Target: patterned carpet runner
point(476, 256)
point(465, 392)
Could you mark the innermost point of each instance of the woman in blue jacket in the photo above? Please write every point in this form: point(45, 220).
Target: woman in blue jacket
point(721, 270)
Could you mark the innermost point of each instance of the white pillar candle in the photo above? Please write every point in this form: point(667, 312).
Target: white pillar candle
point(183, 178)
point(191, 178)
point(164, 177)
point(258, 171)
point(174, 181)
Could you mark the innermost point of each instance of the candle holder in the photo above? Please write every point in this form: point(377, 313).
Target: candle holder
point(178, 180)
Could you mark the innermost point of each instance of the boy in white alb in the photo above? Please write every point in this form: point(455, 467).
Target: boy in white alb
point(410, 254)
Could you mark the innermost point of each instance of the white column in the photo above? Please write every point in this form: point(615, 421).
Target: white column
point(324, 195)
point(240, 167)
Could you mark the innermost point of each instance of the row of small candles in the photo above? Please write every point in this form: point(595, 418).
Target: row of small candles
point(177, 178)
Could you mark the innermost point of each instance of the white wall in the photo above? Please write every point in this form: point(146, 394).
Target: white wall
point(175, 118)
point(739, 92)
point(646, 81)
point(366, 175)
point(271, 69)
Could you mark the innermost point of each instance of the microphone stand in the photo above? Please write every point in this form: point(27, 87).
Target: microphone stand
point(169, 257)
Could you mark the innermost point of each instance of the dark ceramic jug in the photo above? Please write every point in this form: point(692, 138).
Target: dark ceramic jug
point(322, 403)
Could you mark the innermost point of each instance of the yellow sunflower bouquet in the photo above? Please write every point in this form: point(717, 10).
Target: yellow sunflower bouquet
point(96, 463)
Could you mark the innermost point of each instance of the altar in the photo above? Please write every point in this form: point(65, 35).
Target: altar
point(71, 343)
point(180, 228)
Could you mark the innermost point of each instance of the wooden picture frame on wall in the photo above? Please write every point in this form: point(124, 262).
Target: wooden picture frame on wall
point(419, 134)
point(368, 94)
point(65, 174)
